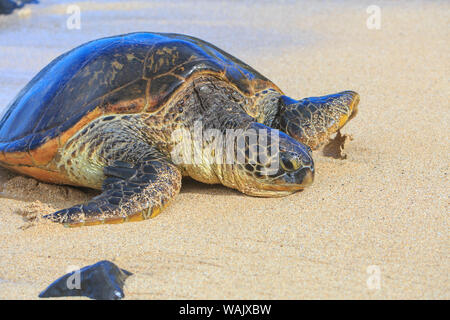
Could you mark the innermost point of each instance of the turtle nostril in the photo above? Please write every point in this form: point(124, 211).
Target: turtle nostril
point(306, 161)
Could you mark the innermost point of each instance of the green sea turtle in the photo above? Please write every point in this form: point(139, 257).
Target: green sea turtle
point(104, 115)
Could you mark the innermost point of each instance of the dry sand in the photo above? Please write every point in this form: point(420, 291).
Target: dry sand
point(386, 205)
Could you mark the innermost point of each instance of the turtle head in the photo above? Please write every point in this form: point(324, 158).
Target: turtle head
point(269, 163)
point(312, 120)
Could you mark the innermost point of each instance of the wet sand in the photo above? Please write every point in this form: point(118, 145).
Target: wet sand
point(385, 207)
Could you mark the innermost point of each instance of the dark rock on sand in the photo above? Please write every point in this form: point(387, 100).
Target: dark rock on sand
point(8, 6)
point(101, 281)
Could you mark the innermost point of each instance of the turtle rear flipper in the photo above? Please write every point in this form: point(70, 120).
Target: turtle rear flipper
point(131, 192)
point(313, 120)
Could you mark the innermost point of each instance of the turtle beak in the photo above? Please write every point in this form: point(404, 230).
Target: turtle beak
point(302, 178)
point(306, 177)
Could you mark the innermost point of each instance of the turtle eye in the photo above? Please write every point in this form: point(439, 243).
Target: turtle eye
point(290, 163)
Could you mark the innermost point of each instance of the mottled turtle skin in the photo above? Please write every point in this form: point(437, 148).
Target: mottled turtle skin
point(104, 114)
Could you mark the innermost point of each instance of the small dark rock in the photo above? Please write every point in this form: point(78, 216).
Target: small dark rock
point(100, 281)
point(8, 6)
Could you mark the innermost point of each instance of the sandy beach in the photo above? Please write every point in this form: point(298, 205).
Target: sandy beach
point(381, 212)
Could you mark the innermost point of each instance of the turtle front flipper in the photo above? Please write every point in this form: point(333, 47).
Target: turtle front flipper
point(131, 192)
point(313, 120)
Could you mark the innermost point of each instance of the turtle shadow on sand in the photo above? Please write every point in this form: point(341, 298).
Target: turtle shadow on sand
point(190, 185)
point(335, 148)
point(40, 198)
